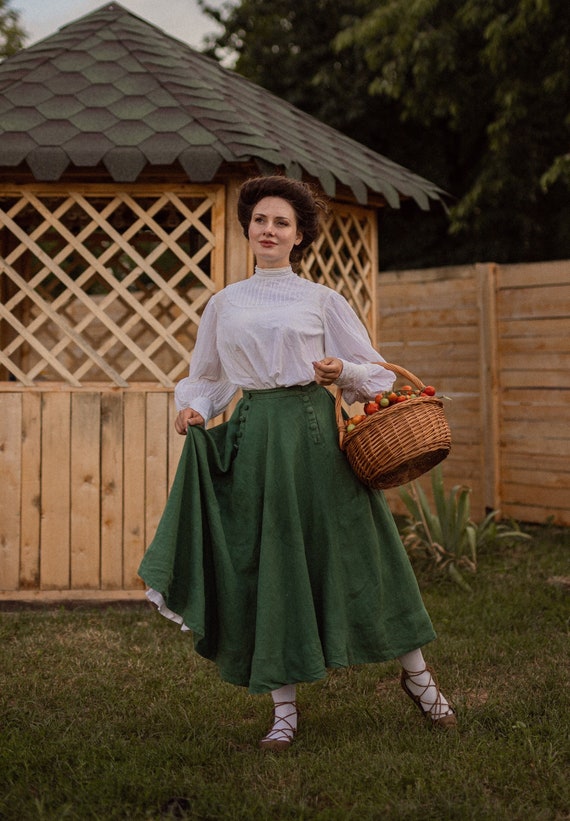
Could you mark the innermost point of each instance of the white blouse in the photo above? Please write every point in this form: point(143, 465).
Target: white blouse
point(266, 331)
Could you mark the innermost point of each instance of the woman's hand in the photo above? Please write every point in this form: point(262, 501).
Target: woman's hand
point(327, 370)
point(187, 416)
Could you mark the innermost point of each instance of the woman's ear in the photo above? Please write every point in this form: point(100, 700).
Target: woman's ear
point(298, 238)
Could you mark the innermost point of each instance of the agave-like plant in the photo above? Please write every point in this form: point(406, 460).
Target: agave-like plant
point(447, 537)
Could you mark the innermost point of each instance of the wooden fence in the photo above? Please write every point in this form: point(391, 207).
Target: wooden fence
point(84, 486)
point(496, 340)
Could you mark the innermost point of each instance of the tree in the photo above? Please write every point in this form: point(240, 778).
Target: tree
point(473, 95)
point(11, 34)
point(494, 79)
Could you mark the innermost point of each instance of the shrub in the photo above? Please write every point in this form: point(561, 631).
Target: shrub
point(446, 538)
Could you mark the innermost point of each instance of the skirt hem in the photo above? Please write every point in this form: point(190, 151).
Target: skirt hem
point(157, 599)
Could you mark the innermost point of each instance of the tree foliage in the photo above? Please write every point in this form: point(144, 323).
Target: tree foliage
point(473, 94)
point(12, 34)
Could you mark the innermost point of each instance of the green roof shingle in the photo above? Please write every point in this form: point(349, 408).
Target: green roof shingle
point(110, 89)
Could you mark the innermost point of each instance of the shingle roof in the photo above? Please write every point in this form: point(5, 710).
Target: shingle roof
point(112, 89)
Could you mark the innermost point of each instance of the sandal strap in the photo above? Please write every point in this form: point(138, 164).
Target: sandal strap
point(287, 732)
point(437, 711)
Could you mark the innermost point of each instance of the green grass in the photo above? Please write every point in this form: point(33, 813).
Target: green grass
point(108, 714)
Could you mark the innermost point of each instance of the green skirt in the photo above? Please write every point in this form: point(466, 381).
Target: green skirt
point(275, 556)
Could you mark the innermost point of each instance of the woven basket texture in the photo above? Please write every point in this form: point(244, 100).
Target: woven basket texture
point(397, 444)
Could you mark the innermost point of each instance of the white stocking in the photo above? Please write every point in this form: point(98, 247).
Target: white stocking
point(285, 713)
point(422, 684)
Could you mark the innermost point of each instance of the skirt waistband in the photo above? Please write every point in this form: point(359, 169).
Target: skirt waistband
point(293, 390)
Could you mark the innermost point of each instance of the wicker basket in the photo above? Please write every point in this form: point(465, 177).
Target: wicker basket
point(396, 444)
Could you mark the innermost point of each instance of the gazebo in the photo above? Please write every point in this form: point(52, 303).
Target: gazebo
point(121, 153)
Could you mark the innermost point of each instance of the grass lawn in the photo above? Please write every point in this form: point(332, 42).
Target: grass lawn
point(108, 714)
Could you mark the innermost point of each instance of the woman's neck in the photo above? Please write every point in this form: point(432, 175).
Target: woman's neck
point(273, 272)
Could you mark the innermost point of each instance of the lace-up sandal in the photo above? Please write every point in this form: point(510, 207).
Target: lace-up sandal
point(281, 735)
point(440, 713)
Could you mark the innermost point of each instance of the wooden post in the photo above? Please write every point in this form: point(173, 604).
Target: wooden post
point(490, 386)
point(375, 273)
point(239, 260)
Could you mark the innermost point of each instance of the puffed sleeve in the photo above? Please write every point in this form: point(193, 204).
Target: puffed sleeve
point(347, 339)
point(206, 389)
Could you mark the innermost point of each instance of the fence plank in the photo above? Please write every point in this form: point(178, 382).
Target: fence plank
point(112, 431)
point(55, 489)
point(156, 460)
point(536, 405)
point(134, 535)
point(11, 468)
point(527, 303)
point(489, 369)
point(534, 495)
point(85, 490)
point(528, 380)
point(538, 274)
point(455, 337)
point(403, 318)
point(534, 513)
point(519, 432)
point(535, 331)
point(31, 490)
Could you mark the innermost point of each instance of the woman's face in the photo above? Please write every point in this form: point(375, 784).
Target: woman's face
point(273, 232)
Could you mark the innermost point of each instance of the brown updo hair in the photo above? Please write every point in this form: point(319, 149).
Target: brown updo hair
point(308, 203)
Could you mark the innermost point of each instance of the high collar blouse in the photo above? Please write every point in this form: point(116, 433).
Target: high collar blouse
point(266, 331)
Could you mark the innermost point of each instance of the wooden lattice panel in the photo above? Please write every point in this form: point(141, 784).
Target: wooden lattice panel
point(344, 257)
point(105, 283)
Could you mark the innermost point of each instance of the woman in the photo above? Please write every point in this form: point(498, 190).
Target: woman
point(270, 551)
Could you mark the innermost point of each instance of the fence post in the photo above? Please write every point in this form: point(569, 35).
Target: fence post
point(490, 385)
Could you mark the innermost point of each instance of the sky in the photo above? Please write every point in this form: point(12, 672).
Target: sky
point(179, 18)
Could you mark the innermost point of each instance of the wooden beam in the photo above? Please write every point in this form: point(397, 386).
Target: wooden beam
point(489, 369)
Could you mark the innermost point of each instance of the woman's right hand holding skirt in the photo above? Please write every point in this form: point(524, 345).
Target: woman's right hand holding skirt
point(187, 416)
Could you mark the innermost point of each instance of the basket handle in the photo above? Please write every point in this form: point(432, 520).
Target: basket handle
point(338, 398)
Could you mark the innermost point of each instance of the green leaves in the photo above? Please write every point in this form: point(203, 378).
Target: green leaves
point(472, 95)
point(446, 537)
point(11, 33)
point(493, 80)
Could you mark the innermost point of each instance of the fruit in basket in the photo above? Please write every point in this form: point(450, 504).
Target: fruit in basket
point(387, 399)
point(394, 397)
point(354, 421)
